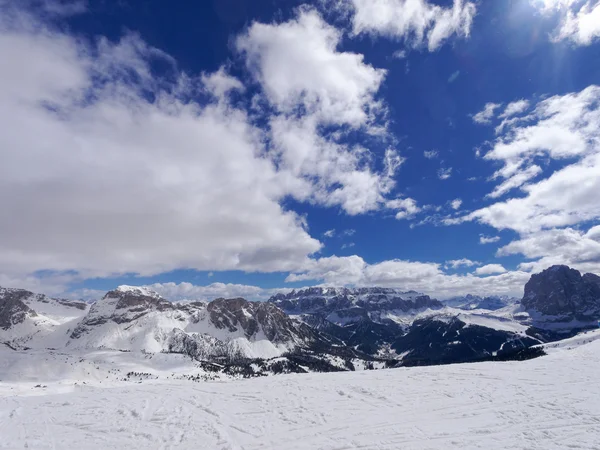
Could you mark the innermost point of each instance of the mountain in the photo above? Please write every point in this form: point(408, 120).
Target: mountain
point(445, 339)
point(28, 319)
point(561, 295)
point(470, 302)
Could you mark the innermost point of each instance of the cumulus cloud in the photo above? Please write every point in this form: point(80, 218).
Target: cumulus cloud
point(405, 207)
point(483, 239)
point(575, 248)
point(513, 108)
point(486, 115)
point(562, 128)
point(418, 23)
point(456, 203)
point(423, 277)
point(490, 269)
point(430, 154)
point(579, 19)
point(464, 262)
point(107, 179)
point(313, 85)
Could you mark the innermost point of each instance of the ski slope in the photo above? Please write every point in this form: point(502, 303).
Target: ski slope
point(551, 402)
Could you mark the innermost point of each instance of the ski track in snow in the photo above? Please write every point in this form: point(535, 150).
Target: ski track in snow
point(549, 403)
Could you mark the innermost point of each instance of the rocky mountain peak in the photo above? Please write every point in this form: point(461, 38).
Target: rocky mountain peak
point(122, 305)
point(254, 317)
point(13, 309)
point(563, 293)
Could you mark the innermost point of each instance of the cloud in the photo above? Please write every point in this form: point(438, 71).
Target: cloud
point(444, 174)
point(105, 181)
point(488, 239)
point(579, 19)
point(574, 248)
point(514, 108)
point(562, 128)
point(454, 76)
point(348, 245)
point(490, 269)
point(416, 22)
point(399, 54)
point(430, 154)
point(486, 115)
point(329, 233)
point(464, 262)
point(428, 278)
point(456, 203)
point(113, 170)
point(406, 207)
point(349, 232)
point(298, 64)
point(312, 85)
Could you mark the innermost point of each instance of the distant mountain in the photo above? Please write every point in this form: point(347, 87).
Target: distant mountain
point(470, 302)
point(28, 319)
point(308, 330)
point(560, 294)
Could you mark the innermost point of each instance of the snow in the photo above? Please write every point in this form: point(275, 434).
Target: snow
point(547, 403)
point(138, 290)
point(495, 323)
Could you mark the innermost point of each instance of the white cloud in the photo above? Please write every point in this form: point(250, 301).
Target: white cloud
point(405, 207)
point(349, 232)
point(579, 21)
point(456, 203)
point(574, 248)
point(348, 245)
point(464, 262)
point(329, 233)
point(488, 239)
point(312, 84)
point(564, 128)
point(106, 181)
point(430, 154)
point(444, 174)
point(513, 108)
point(428, 278)
point(416, 22)
point(486, 115)
point(297, 63)
point(117, 184)
point(399, 54)
point(490, 269)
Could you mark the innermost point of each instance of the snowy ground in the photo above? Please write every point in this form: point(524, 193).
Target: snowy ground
point(548, 403)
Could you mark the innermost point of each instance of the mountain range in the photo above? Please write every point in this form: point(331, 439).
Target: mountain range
point(313, 329)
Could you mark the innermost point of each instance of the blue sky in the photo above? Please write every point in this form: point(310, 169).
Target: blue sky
point(238, 147)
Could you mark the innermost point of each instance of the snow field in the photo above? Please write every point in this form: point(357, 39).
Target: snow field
point(551, 402)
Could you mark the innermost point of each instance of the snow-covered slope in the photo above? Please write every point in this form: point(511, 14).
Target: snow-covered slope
point(549, 403)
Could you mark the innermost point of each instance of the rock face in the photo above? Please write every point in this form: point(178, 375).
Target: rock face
point(562, 294)
point(254, 317)
point(123, 305)
point(352, 303)
point(470, 302)
point(368, 319)
point(13, 309)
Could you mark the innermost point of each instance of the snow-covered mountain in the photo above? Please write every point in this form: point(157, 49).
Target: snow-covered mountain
point(314, 329)
point(471, 302)
point(138, 319)
point(36, 320)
